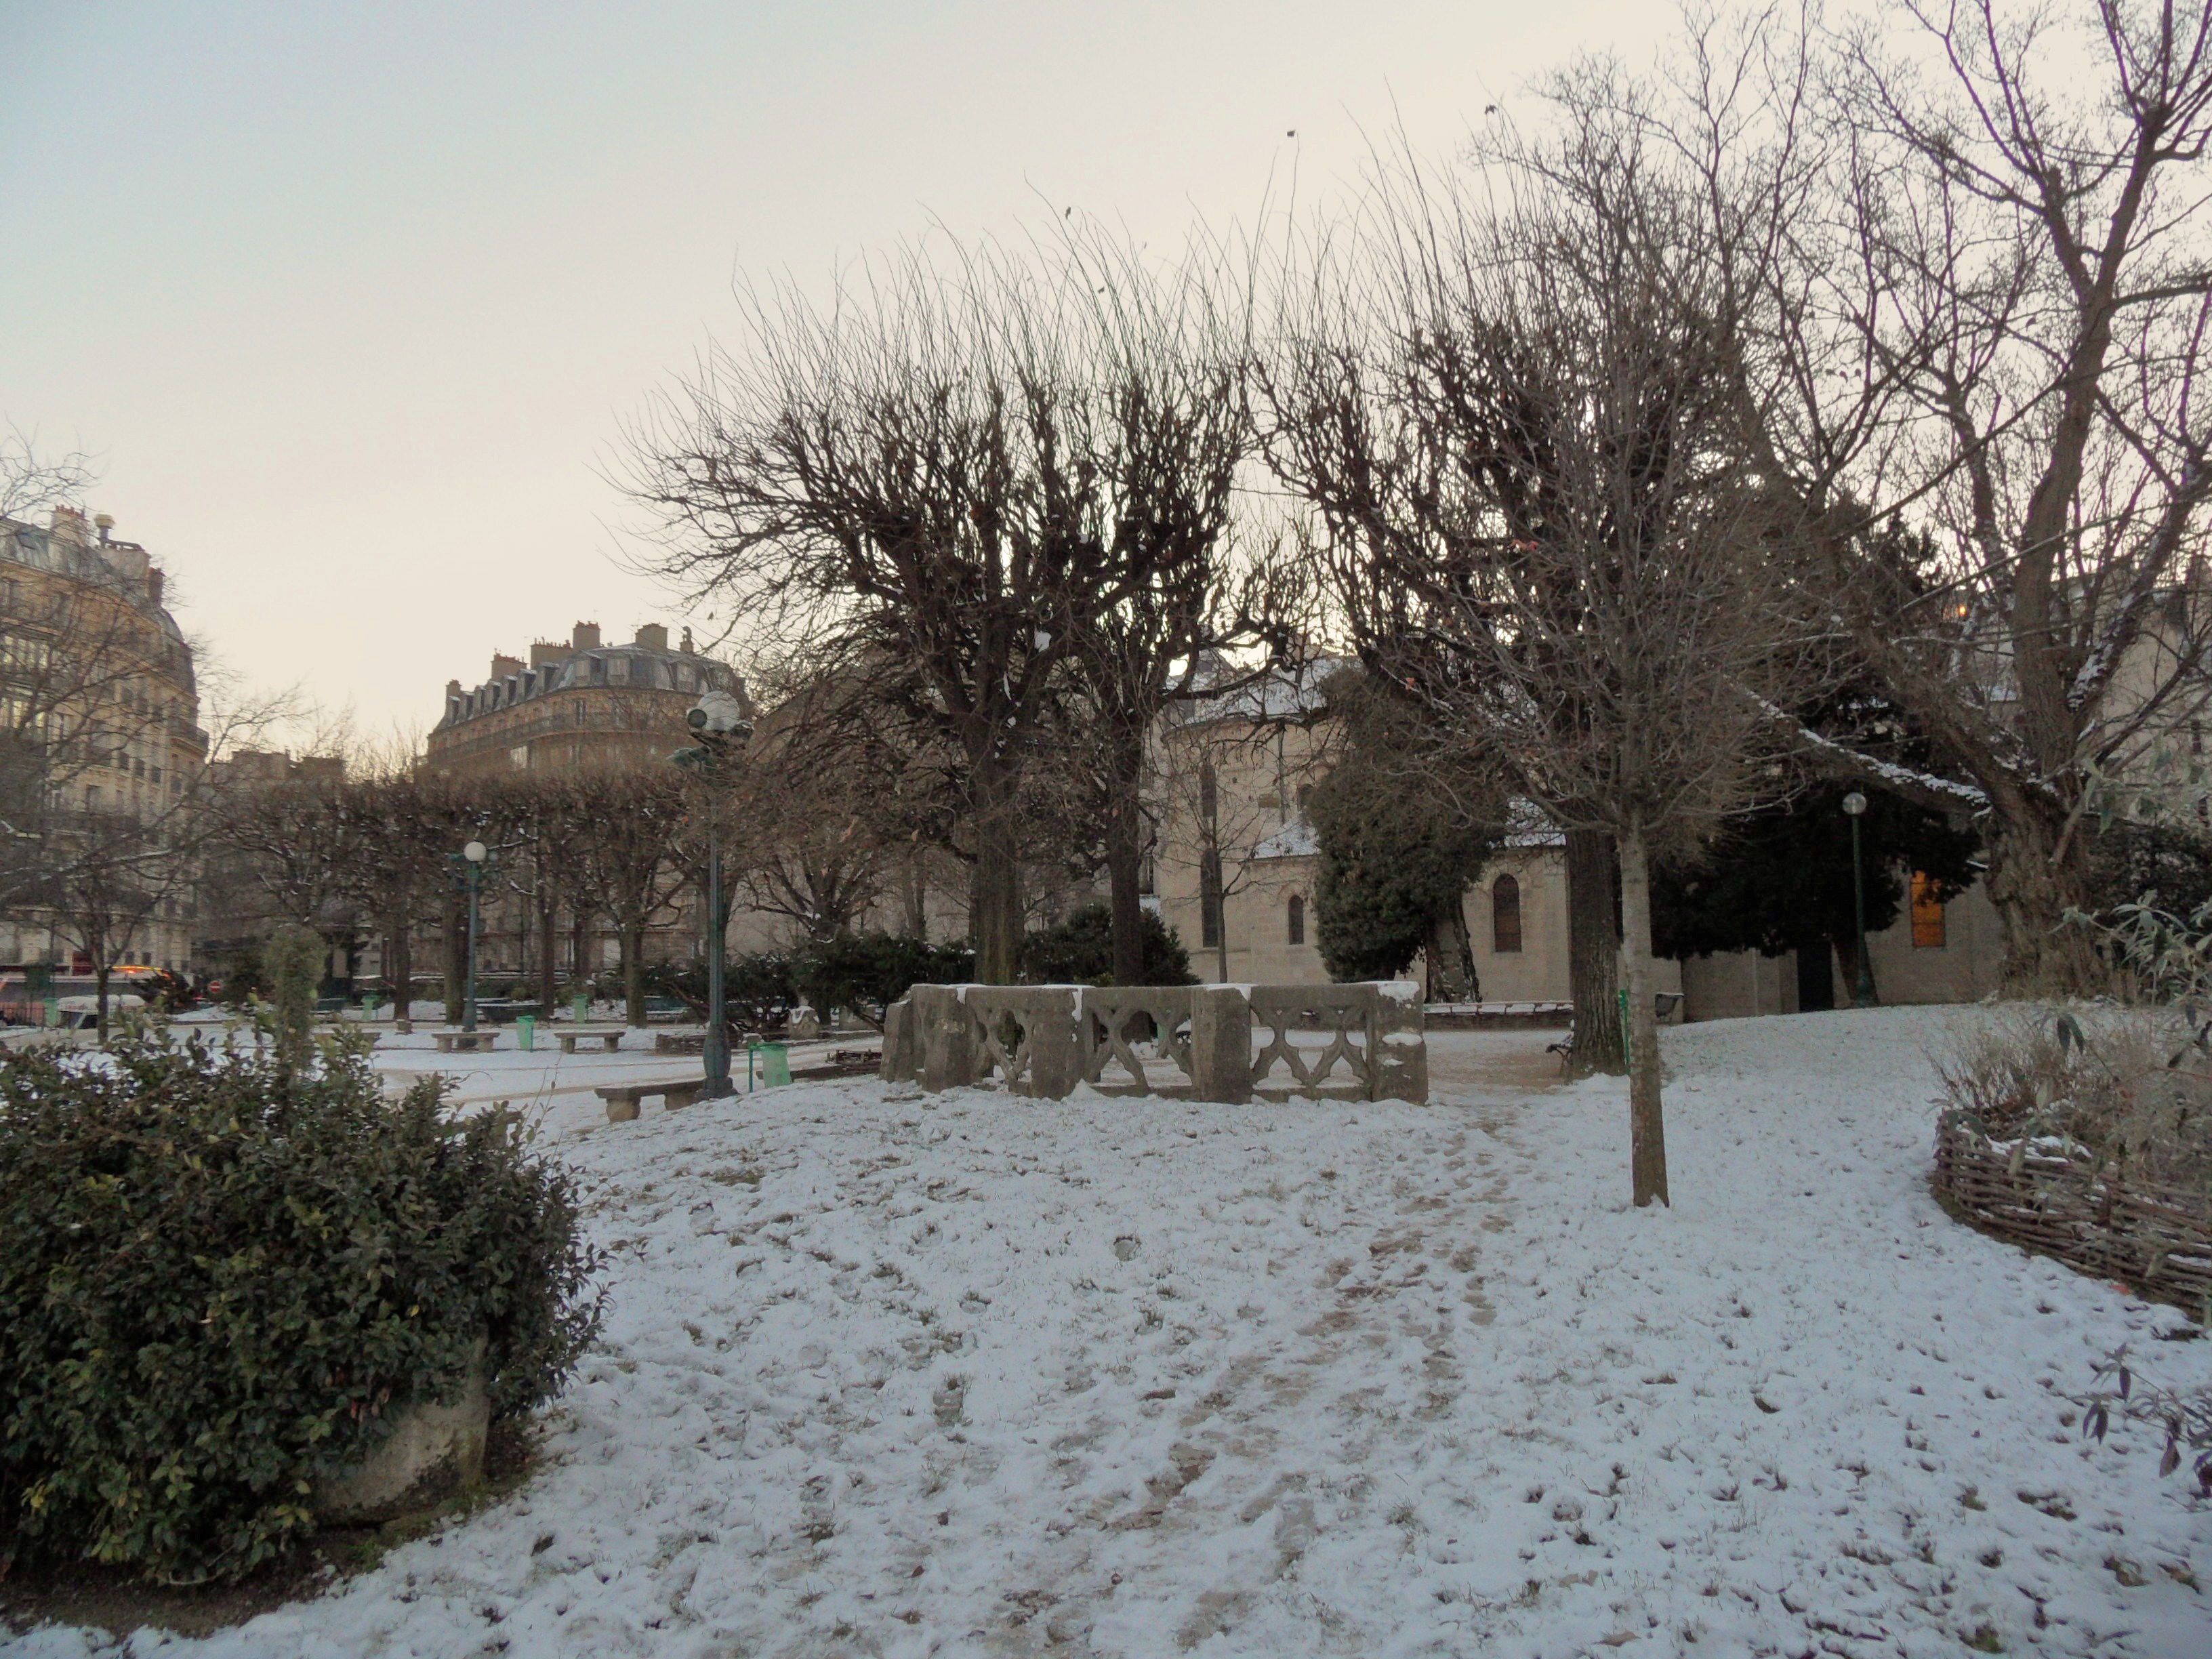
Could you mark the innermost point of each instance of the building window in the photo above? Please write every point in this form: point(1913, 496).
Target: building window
point(1298, 919)
point(1209, 792)
point(1928, 923)
point(1505, 916)
point(1209, 901)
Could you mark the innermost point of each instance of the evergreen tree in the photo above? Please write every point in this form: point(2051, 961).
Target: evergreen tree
point(1404, 824)
point(1080, 950)
point(1781, 880)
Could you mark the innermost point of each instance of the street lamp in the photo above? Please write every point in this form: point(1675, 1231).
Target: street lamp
point(1855, 806)
point(719, 720)
point(468, 869)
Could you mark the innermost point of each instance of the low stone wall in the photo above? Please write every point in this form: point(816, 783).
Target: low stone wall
point(1220, 1043)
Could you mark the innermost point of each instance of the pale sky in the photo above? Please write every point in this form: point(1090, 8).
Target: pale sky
point(350, 300)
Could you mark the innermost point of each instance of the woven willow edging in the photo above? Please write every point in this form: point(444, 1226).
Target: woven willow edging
point(2157, 1238)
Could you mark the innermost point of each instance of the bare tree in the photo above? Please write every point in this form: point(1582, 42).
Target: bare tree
point(1540, 511)
point(629, 833)
point(1965, 245)
point(120, 870)
point(32, 478)
point(945, 474)
point(1215, 826)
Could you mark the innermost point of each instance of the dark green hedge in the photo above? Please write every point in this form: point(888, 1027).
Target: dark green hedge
point(216, 1283)
point(1080, 950)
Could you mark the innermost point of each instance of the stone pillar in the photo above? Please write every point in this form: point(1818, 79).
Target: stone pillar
point(946, 1037)
point(1397, 1046)
point(1056, 1049)
point(1220, 1045)
point(900, 1057)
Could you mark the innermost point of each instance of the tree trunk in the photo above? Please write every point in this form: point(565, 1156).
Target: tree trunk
point(633, 973)
point(1593, 951)
point(1125, 858)
point(1463, 942)
point(915, 898)
point(399, 971)
point(1847, 960)
point(582, 968)
point(1816, 976)
point(1647, 1128)
point(1451, 960)
point(99, 994)
point(549, 916)
point(2032, 885)
point(995, 916)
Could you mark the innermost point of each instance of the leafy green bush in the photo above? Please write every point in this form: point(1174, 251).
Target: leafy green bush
point(866, 973)
point(1080, 951)
point(219, 1281)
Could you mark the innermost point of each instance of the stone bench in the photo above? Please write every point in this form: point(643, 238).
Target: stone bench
point(465, 1041)
point(608, 1037)
point(622, 1099)
point(679, 1043)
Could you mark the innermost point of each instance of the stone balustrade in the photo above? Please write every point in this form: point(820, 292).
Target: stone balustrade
point(1218, 1042)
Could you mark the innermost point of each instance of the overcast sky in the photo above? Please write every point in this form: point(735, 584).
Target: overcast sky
point(351, 301)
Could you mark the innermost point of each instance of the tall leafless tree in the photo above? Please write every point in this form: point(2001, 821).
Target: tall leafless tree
point(1966, 247)
point(957, 473)
point(1516, 412)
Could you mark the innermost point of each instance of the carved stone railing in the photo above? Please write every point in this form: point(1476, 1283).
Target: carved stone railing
point(1362, 1041)
point(1115, 1023)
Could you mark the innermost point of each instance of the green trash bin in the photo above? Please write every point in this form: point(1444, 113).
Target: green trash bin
point(580, 1007)
point(775, 1065)
point(525, 1032)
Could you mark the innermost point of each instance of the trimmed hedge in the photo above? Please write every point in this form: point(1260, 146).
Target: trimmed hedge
point(1080, 950)
point(218, 1281)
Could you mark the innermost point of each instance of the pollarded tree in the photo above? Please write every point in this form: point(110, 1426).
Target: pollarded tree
point(1519, 422)
point(630, 830)
point(954, 475)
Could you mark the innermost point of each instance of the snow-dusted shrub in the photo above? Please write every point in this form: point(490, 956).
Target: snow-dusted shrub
point(2129, 1086)
point(221, 1277)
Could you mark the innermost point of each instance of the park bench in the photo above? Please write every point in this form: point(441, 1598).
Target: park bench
point(623, 1098)
point(465, 1041)
point(608, 1037)
point(679, 1043)
point(842, 1062)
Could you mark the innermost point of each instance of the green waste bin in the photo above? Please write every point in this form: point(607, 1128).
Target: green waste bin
point(580, 1007)
point(51, 1008)
point(525, 1032)
point(775, 1065)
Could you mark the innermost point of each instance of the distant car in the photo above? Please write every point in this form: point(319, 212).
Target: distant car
point(77, 1022)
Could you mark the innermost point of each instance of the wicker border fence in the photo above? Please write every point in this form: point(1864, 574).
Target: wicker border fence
point(2159, 1239)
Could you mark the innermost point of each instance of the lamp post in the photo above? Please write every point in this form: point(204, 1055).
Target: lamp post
point(1855, 806)
point(469, 866)
point(719, 719)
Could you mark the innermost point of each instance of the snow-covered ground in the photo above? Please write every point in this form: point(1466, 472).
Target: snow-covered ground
point(892, 1374)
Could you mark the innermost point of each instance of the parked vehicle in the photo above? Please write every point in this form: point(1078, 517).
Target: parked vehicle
point(77, 1024)
point(18, 1007)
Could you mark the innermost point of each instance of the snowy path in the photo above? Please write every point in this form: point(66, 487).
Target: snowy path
point(890, 1374)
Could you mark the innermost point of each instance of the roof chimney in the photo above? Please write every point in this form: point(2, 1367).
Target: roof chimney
point(686, 647)
point(585, 637)
point(544, 651)
point(502, 665)
point(154, 583)
point(651, 635)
